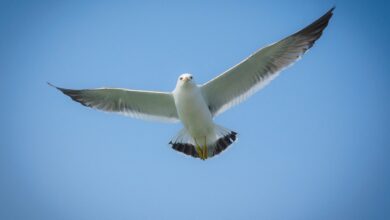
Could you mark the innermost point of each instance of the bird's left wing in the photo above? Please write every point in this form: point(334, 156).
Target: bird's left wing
point(247, 77)
point(152, 105)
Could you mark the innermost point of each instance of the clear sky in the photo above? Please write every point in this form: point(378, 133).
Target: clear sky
point(314, 144)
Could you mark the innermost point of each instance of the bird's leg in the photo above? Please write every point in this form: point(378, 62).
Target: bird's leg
point(205, 150)
point(199, 150)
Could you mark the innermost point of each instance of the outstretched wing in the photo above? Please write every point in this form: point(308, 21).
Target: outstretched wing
point(247, 77)
point(134, 103)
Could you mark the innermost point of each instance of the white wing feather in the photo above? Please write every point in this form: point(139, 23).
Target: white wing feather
point(150, 105)
point(241, 81)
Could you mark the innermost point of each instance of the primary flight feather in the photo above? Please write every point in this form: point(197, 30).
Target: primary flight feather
point(196, 105)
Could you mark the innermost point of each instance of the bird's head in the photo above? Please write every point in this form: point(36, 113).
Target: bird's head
point(185, 79)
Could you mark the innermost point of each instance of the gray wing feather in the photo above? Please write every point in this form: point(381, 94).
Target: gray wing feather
point(253, 73)
point(158, 106)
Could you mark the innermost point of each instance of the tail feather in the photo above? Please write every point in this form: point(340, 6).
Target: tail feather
point(185, 148)
point(222, 143)
point(184, 143)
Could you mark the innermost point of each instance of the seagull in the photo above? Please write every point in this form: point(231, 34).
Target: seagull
point(196, 105)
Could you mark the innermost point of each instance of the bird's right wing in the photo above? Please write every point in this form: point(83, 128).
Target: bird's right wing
point(247, 77)
point(158, 106)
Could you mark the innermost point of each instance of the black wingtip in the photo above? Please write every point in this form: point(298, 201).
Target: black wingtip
point(315, 29)
point(328, 14)
point(51, 85)
point(48, 83)
point(56, 87)
point(330, 11)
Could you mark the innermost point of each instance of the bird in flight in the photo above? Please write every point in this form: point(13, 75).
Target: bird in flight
point(196, 105)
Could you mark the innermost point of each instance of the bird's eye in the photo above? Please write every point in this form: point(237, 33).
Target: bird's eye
point(181, 78)
point(190, 77)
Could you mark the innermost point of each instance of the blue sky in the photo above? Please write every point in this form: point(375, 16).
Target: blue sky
point(314, 144)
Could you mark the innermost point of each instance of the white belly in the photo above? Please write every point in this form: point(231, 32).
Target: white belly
point(195, 115)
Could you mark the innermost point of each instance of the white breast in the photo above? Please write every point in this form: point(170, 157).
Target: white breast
point(194, 113)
